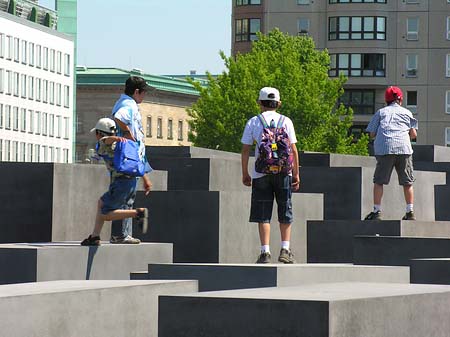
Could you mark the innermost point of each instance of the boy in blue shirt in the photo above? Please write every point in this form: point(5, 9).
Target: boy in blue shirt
point(113, 204)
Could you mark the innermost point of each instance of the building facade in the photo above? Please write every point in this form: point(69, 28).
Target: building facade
point(163, 111)
point(375, 43)
point(36, 90)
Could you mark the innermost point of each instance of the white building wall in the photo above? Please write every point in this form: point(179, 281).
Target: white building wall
point(36, 92)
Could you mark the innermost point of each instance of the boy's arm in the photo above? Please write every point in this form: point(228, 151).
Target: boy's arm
point(147, 184)
point(125, 129)
point(295, 169)
point(245, 155)
point(108, 140)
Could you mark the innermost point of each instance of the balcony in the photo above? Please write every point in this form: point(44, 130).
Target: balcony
point(30, 10)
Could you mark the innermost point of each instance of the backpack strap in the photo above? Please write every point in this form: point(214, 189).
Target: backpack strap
point(280, 121)
point(263, 121)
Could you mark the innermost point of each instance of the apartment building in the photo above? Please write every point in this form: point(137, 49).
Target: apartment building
point(375, 43)
point(36, 85)
point(163, 111)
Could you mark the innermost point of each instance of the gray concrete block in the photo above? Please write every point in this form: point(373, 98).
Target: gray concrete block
point(187, 152)
point(430, 271)
point(431, 153)
point(316, 159)
point(331, 241)
point(320, 310)
point(240, 276)
point(69, 261)
point(209, 226)
point(397, 251)
point(85, 308)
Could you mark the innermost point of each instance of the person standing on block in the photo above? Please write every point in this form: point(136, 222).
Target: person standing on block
point(393, 127)
point(128, 118)
point(275, 174)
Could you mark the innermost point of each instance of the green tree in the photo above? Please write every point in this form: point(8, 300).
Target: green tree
point(309, 97)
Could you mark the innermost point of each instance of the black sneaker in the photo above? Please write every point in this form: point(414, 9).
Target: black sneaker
point(142, 219)
point(264, 258)
point(409, 216)
point(286, 256)
point(373, 216)
point(91, 241)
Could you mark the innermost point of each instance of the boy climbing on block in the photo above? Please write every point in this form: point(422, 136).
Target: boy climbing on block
point(113, 205)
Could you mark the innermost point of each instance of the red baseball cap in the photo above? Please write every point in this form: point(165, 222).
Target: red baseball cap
point(393, 93)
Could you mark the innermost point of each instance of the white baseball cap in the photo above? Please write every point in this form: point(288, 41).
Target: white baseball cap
point(106, 125)
point(269, 94)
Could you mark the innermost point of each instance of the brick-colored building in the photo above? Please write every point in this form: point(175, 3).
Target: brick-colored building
point(164, 115)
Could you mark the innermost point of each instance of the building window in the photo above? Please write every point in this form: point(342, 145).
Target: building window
point(447, 137)
point(2, 48)
point(447, 102)
point(16, 86)
point(1, 118)
point(23, 81)
point(8, 82)
point(16, 118)
point(24, 52)
point(357, 28)
point(37, 152)
point(361, 101)
point(38, 122)
point(66, 155)
point(44, 123)
point(8, 117)
point(44, 91)
point(58, 94)
point(148, 132)
point(38, 89)
point(1, 150)
point(31, 52)
point(59, 62)
point(412, 29)
point(30, 87)
point(247, 2)
point(30, 153)
point(180, 130)
point(303, 26)
point(51, 92)
point(67, 64)
point(357, 1)
point(169, 129)
point(2, 80)
point(357, 65)
point(159, 128)
point(23, 154)
point(52, 60)
point(51, 125)
point(7, 150)
point(66, 96)
point(66, 127)
point(30, 121)
point(23, 120)
point(411, 101)
point(45, 58)
point(58, 126)
point(411, 65)
point(303, 2)
point(16, 49)
point(15, 151)
point(246, 29)
point(448, 65)
point(38, 56)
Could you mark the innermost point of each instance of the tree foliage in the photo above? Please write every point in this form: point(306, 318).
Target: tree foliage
point(309, 97)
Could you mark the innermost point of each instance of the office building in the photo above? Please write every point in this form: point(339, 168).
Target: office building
point(36, 85)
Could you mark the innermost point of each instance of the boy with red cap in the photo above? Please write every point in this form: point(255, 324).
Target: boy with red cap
point(393, 128)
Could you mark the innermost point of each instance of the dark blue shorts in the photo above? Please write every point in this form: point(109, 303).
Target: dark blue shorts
point(264, 190)
point(121, 194)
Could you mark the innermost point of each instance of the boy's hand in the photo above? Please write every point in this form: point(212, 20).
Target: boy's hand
point(147, 184)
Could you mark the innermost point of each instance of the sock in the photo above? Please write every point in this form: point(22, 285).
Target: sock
point(377, 208)
point(285, 245)
point(265, 249)
point(409, 208)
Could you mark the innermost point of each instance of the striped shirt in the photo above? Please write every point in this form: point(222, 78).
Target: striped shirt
point(391, 125)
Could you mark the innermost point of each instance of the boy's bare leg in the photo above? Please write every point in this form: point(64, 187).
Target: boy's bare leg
point(285, 230)
point(264, 233)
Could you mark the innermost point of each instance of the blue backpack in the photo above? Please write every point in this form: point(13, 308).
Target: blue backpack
point(126, 159)
point(274, 152)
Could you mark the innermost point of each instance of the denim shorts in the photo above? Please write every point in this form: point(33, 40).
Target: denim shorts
point(264, 190)
point(403, 165)
point(120, 195)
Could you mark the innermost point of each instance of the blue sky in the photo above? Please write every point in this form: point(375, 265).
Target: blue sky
point(157, 36)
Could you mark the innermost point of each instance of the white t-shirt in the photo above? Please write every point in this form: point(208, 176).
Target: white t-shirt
point(253, 130)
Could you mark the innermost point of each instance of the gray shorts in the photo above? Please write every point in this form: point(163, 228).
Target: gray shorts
point(403, 165)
